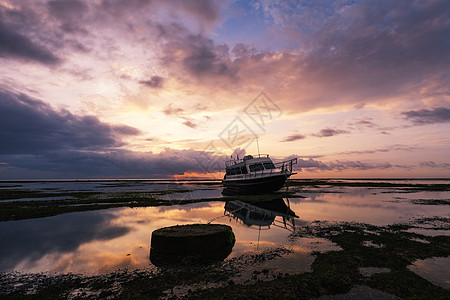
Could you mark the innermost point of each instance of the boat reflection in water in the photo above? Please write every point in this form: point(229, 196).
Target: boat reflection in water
point(262, 215)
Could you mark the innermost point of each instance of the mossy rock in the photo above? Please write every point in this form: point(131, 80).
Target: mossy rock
point(193, 243)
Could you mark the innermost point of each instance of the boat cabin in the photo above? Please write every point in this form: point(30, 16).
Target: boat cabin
point(249, 164)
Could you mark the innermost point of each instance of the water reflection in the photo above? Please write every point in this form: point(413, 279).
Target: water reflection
point(29, 241)
point(262, 214)
point(99, 242)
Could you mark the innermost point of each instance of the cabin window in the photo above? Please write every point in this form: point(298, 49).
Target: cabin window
point(269, 165)
point(238, 171)
point(256, 167)
point(244, 170)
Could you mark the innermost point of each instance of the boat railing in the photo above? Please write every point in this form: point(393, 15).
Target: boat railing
point(282, 167)
point(235, 161)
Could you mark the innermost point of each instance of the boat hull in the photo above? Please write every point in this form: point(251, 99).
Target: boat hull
point(254, 186)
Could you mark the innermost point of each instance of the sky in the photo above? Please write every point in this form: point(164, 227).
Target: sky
point(157, 89)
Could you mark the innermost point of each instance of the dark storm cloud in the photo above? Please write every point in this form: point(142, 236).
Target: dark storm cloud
point(117, 163)
point(18, 46)
point(426, 116)
point(294, 137)
point(154, 82)
point(31, 126)
point(327, 132)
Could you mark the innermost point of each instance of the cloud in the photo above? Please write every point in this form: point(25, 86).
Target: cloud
point(338, 165)
point(190, 124)
point(67, 9)
point(344, 165)
point(154, 82)
point(391, 148)
point(115, 163)
point(199, 12)
point(426, 116)
point(327, 132)
point(311, 163)
point(432, 164)
point(293, 137)
point(200, 57)
point(169, 110)
point(346, 53)
point(29, 125)
point(18, 46)
point(180, 113)
point(201, 9)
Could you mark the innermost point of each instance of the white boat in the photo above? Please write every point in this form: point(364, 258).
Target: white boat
point(256, 175)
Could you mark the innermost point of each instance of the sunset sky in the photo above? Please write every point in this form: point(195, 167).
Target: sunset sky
point(157, 88)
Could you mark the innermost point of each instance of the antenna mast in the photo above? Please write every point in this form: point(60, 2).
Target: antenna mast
point(257, 144)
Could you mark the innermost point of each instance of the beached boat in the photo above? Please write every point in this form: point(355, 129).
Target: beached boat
point(256, 175)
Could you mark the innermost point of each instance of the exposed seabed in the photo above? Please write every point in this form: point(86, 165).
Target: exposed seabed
point(367, 239)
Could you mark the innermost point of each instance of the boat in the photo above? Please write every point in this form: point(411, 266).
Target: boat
point(257, 174)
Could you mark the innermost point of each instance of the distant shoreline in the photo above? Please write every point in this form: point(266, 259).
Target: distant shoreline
point(212, 179)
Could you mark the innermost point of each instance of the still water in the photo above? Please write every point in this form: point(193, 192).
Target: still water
point(102, 241)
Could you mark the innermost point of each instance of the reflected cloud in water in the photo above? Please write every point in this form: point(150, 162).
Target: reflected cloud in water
point(25, 242)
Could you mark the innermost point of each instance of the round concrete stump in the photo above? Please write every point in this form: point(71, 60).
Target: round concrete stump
point(193, 243)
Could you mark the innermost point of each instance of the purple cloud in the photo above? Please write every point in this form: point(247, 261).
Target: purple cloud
point(327, 132)
point(426, 116)
point(154, 82)
point(31, 126)
point(18, 46)
point(293, 137)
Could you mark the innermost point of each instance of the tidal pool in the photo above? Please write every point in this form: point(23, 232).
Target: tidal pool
point(99, 242)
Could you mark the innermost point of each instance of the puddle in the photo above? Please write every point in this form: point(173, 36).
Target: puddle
point(436, 270)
